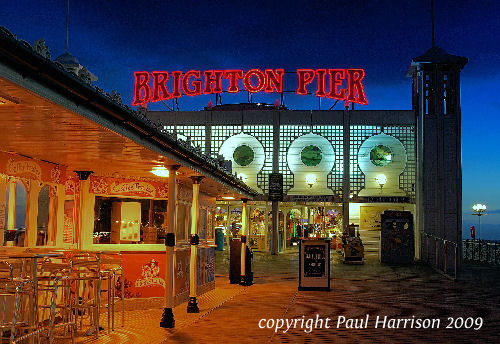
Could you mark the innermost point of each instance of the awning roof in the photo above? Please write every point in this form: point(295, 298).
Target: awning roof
point(49, 114)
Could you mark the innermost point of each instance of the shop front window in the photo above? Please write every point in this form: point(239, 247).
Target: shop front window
point(42, 226)
point(202, 224)
point(183, 221)
point(210, 225)
point(235, 222)
point(293, 227)
point(16, 197)
point(221, 219)
point(129, 221)
point(257, 238)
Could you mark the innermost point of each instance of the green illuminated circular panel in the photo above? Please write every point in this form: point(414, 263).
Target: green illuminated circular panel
point(311, 155)
point(243, 155)
point(380, 155)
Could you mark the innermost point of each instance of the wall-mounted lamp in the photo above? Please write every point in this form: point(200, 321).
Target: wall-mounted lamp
point(311, 180)
point(160, 171)
point(381, 180)
point(243, 177)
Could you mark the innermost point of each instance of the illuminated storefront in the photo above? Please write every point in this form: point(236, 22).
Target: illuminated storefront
point(80, 171)
point(339, 167)
point(382, 163)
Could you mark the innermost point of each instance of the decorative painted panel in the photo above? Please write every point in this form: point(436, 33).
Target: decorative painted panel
point(310, 158)
point(381, 158)
point(247, 155)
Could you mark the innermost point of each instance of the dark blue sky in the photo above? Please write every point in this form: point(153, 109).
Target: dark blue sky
point(115, 38)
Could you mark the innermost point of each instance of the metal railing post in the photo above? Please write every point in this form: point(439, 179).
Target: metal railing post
point(444, 255)
point(495, 259)
point(456, 248)
point(436, 251)
point(488, 252)
point(427, 249)
point(480, 255)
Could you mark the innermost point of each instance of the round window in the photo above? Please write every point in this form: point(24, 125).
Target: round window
point(381, 155)
point(311, 155)
point(243, 155)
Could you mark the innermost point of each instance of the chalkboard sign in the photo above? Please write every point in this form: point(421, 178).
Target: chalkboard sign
point(275, 187)
point(314, 265)
point(314, 261)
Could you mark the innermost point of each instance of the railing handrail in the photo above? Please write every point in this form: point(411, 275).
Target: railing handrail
point(488, 249)
point(445, 253)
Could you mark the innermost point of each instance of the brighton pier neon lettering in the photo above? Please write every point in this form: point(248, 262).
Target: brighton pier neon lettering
point(343, 84)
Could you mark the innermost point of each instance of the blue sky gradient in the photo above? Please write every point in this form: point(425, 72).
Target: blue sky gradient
point(115, 38)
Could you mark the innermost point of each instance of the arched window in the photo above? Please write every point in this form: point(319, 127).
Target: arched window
point(15, 210)
point(46, 226)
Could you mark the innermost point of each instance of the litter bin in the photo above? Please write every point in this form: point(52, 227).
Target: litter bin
point(219, 239)
point(314, 264)
point(235, 262)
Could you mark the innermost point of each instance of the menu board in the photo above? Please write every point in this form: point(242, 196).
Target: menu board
point(314, 265)
point(314, 261)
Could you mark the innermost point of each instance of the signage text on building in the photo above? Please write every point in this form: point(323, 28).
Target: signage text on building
point(339, 84)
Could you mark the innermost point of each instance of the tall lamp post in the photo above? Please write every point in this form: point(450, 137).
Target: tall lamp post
point(479, 211)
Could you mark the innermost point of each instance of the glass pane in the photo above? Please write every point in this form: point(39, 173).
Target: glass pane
point(381, 155)
point(210, 225)
point(159, 220)
point(311, 155)
point(16, 234)
point(123, 220)
point(43, 216)
point(182, 229)
point(202, 224)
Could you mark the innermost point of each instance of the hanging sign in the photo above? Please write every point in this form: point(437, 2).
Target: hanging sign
point(339, 84)
point(275, 187)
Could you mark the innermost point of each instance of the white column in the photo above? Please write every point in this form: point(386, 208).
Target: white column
point(86, 212)
point(167, 320)
point(3, 191)
point(192, 306)
point(11, 216)
point(61, 194)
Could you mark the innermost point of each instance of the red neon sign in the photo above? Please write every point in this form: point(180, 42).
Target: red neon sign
point(343, 84)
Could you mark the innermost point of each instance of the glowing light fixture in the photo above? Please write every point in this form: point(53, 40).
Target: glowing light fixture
point(381, 180)
point(479, 211)
point(160, 171)
point(228, 197)
point(479, 208)
point(311, 180)
point(243, 177)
